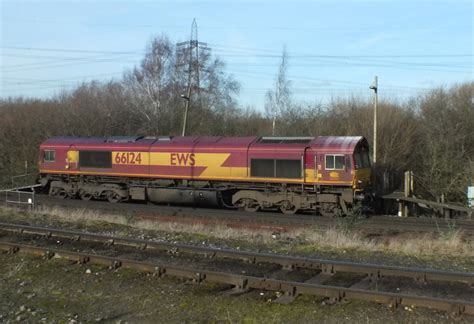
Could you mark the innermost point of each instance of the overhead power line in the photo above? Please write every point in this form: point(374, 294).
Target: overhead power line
point(55, 63)
point(276, 53)
point(323, 81)
point(246, 26)
point(303, 60)
point(73, 50)
point(22, 81)
point(296, 54)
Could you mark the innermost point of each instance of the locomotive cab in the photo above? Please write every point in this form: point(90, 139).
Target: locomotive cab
point(362, 167)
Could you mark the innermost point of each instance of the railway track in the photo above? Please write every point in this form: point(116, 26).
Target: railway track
point(313, 276)
point(277, 221)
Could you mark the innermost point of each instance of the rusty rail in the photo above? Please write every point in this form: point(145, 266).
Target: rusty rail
point(372, 271)
point(374, 224)
point(291, 288)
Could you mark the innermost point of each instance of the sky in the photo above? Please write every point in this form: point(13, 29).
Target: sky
point(335, 48)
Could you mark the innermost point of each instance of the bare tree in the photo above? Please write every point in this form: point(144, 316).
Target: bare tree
point(278, 99)
point(156, 86)
point(446, 118)
point(148, 81)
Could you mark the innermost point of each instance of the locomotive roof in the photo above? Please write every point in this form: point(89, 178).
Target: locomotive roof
point(320, 143)
point(343, 143)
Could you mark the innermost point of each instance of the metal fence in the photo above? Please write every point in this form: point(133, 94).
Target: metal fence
point(19, 198)
point(23, 180)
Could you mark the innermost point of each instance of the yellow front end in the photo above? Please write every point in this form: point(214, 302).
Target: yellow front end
point(362, 179)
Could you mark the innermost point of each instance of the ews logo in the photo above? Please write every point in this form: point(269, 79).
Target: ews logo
point(183, 159)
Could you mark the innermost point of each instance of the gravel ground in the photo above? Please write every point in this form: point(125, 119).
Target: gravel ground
point(56, 291)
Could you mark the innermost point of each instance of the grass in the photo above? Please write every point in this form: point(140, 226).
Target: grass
point(341, 237)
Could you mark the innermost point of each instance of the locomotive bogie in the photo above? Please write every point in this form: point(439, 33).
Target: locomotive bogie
point(85, 191)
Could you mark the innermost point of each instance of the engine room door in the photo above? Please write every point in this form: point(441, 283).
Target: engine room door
point(318, 167)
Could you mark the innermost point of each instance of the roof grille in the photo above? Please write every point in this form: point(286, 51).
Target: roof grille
point(164, 138)
point(285, 140)
point(123, 139)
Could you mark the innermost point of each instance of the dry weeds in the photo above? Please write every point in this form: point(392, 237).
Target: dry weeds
point(14, 270)
point(338, 238)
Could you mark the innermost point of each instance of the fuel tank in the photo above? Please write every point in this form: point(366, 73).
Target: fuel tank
point(184, 196)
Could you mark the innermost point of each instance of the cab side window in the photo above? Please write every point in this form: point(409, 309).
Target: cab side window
point(366, 159)
point(335, 162)
point(49, 156)
point(358, 161)
point(362, 160)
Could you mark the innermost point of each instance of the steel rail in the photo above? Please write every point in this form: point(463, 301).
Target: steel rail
point(372, 271)
point(291, 288)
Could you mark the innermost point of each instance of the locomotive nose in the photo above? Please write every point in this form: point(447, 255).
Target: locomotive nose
point(361, 179)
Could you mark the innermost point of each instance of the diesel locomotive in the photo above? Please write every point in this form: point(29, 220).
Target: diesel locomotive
point(325, 174)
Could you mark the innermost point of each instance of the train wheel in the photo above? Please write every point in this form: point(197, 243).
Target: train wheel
point(112, 197)
point(250, 205)
point(58, 192)
point(326, 213)
point(84, 195)
point(288, 208)
point(328, 210)
point(251, 209)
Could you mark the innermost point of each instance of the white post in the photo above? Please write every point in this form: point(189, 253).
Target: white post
point(375, 88)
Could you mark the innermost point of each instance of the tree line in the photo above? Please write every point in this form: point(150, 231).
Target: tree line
point(431, 134)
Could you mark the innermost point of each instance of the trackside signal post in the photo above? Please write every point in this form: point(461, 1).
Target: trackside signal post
point(374, 87)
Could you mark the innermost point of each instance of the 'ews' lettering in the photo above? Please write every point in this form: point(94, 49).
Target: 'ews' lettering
point(186, 159)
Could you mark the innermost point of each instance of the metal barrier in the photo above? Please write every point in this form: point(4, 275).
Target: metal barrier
point(23, 179)
point(20, 198)
point(448, 210)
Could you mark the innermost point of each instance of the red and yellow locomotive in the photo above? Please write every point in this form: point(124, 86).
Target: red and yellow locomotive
point(326, 174)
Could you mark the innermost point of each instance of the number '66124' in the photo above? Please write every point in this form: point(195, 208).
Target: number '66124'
point(128, 158)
